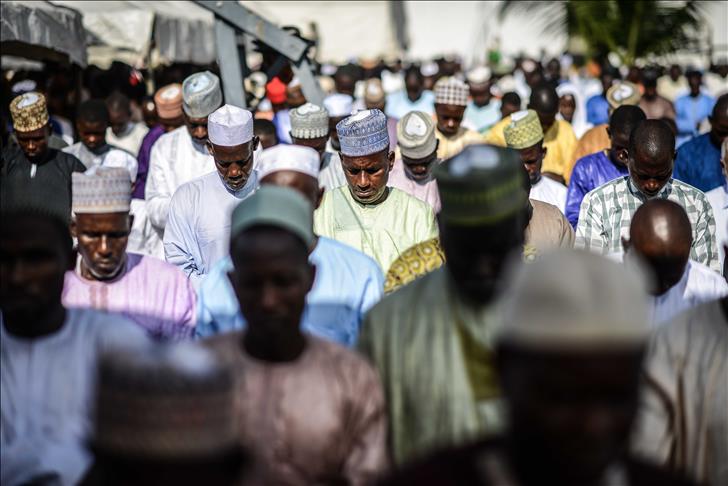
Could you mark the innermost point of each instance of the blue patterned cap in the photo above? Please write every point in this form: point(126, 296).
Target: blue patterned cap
point(363, 133)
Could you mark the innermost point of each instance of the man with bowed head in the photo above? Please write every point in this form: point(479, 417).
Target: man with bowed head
point(607, 211)
point(380, 221)
point(327, 424)
point(150, 292)
point(199, 214)
point(348, 283)
point(451, 99)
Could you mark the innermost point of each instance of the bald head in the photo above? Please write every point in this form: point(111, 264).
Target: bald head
point(651, 155)
point(719, 120)
point(625, 119)
point(660, 232)
point(545, 101)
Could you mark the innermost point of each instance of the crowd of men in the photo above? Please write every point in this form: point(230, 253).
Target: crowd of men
point(435, 277)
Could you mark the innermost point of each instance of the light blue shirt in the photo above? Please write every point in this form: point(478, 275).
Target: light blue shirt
point(481, 118)
point(348, 283)
point(690, 112)
point(398, 105)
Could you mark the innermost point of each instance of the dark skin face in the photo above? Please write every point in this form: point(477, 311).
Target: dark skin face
point(294, 97)
point(719, 125)
point(507, 109)
point(118, 120)
point(480, 94)
point(267, 140)
point(234, 164)
point(449, 118)
point(33, 262)
point(367, 176)
point(650, 91)
point(102, 240)
point(571, 412)
point(271, 278)
point(149, 112)
point(675, 72)
point(34, 143)
point(476, 255)
point(694, 82)
point(344, 84)
point(333, 134)
point(318, 144)
point(607, 80)
point(420, 170)
point(414, 87)
point(303, 183)
point(567, 107)
point(197, 128)
point(619, 147)
point(547, 119)
point(170, 124)
point(532, 158)
point(92, 134)
point(650, 173)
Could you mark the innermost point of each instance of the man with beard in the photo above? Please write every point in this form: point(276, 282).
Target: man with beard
point(606, 212)
point(199, 214)
point(377, 220)
point(32, 173)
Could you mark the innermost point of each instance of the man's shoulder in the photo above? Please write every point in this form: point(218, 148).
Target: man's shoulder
point(694, 144)
point(161, 270)
point(341, 251)
point(700, 275)
point(399, 197)
point(104, 325)
point(402, 299)
point(591, 160)
point(166, 140)
point(197, 186)
point(545, 210)
point(608, 189)
point(67, 160)
point(346, 361)
point(689, 192)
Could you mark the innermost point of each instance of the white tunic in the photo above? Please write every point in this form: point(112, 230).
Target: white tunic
point(332, 173)
point(110, 157)
point(46, 395)
point(131, 139)
point(698, 284)
point(174, 160)
point(549, 191)
point(198, 229)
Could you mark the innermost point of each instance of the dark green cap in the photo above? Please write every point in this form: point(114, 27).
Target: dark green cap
point(481, 186)
point(275, 206)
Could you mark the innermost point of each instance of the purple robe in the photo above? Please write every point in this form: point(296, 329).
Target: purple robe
point(145, 153)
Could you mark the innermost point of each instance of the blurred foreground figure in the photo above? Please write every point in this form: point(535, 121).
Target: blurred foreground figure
point(525, 135)
point(122, 132)
point(198, 225)
point(569, 365)
point(348, 283)
point(606, 212)
point(309, 411)
point(380, 221)
point(32, 173)
point(151, 292)
point(660, 235)
point(165, 416)
point(92, 121)
point(431, 339)
point(683, 420)
point(48, 353)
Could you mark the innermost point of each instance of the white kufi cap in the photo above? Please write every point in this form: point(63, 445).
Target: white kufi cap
point(230, 126)
point(296, 158)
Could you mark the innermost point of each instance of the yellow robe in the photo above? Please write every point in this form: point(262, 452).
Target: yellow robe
point(450, 146)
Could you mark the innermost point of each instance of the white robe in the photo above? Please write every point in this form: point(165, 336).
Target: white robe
point(198, 229)
point(47, 393)
point(131, 139)
point(113, 157)
point(549, 191)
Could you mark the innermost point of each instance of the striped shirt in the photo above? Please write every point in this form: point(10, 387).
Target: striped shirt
point(606, 213)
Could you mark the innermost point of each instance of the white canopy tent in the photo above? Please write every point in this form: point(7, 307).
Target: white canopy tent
point(40, 30)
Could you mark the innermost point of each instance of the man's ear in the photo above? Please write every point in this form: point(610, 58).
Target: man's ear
point(390, 159)
point(320, 197)
point(74, 228)
point(545, 151)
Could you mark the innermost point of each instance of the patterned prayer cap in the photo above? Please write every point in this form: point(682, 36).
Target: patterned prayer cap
point(201, 94)
point(451, 91)
point(230, 126)
point(524, 130)
point(296, 158)
point(168, 100)
point(480, 186)
point(29, 112)
point(363, 133)
point(416, 135)
point(309, 121)
point(339, 104)
point(101, 190)
point(576, 300)
point(278, 206)
point(164, 402)
point(623, 93)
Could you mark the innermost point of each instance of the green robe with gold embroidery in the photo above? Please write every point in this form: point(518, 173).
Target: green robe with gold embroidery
point(434, 355)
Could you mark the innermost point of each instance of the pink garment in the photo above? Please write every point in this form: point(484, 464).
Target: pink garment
point(426, 192)
point(150, 292)
point(317, 420)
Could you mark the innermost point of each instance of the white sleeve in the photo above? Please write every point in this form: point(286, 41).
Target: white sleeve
point(157, 193)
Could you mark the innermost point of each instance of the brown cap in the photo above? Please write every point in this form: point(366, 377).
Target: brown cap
point(169, 101)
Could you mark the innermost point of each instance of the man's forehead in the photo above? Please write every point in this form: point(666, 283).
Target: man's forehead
point(365, 162)
point(102, 219)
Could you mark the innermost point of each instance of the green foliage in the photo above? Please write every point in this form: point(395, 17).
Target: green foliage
point(630, 29)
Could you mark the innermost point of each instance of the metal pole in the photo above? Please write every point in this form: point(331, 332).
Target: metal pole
point(228, 60)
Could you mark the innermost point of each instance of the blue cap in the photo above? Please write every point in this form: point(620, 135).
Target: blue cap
point(363, 133)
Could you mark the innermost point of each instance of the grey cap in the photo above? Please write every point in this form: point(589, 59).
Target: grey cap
point(275, 206)
point(201, 94)
point(416, 135)
point(309, 121)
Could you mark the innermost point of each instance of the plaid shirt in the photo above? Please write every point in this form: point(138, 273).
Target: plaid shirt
point(606, 213)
